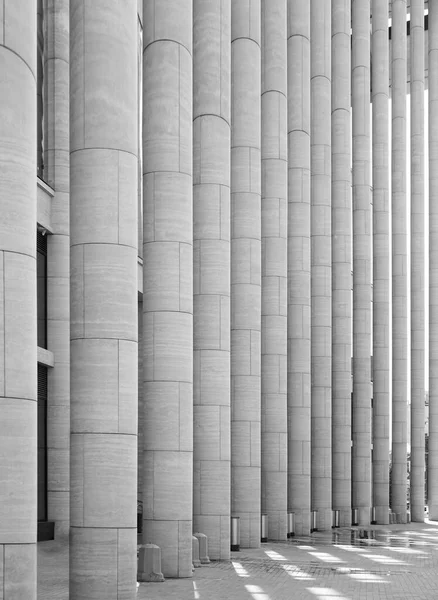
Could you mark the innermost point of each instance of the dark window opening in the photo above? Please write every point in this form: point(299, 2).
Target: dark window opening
point(42, 289)
point(42, 443)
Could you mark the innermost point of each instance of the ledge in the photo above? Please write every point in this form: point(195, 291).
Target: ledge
point(45, 357)
point(44, 205)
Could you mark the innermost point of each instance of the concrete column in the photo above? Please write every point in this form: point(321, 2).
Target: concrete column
point(321, 227)
point(298, 336)
point(18, 316)
point(274, 266)
point(168, 282)
point(417, 261)
point(399, 262)
point(245, 269)
point(57, 174)
point(211, 267)
point(381, 259)
point(361, 425)
point(341, 253)
point(103, 255)
point(433, 263)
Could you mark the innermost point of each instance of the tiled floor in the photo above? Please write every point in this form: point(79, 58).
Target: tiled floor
point(395, 563)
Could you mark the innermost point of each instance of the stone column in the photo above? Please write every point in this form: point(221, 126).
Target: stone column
point(381, 259)
point(433, 263)
point(245, 270)
point(417, 261)
point(341, 253)
point(211, 266)
point(18, 316)
point(361, 425)
point(399, 262)
point(168, 282)
point(321, 253)
point(274, 266)
point(299, 359)
point(57, 174)
point(103, 254)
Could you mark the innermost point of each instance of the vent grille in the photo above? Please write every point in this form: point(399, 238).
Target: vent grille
point(42, 384)
point(41, 242)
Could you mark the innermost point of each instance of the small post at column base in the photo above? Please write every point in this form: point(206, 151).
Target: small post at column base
point(235, 534)
point(149, 563)
point(264, 529)
point(290, 524)
point(203, 548)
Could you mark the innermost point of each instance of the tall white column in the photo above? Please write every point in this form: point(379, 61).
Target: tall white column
point(361, 421)
point(211, 262)
point(399, 263)
point(381, 260)
point(417, 261)
point(321, 270)
point(18, 315)
point(298, 336)
point(103, 260)
point(274, 266)
point(341, 253)
point(168, 282)
point(245, 269)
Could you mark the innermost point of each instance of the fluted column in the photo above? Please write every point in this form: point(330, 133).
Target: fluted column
point(298, 336)
point(57, 174)
point(399, 262)
point(321, 261)
point(274, 266)
point(211, 264)
point(18, 316)
point(103, 254)
point(361, 422)
point(417, 261)
point(168, 282)
point(245, 270)
point(433, 263)
point(341, 253)
point(381, 259)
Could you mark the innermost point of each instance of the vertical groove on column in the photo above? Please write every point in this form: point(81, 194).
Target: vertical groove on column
point(433, 263)
point(361, 420)
point(18, 314)
point(321, 253)
point(57, 174)
point(103, 328)
point(399, 263)
point(168, 282)
point(381, 260)
point(299, 353)
point(245, 270)
point(211, 264)
point(341, 258)
point(417, 261)
point(274, 266)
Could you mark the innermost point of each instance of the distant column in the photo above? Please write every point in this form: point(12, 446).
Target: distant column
point(399, 263)
point(274, 266)
point(321, 227)
point(168, 282)
point(361, 425)
point(211, 261)
point(381, 259)
point(341, 253)
point(18, 315)
point(245, 270)
point(298, 336)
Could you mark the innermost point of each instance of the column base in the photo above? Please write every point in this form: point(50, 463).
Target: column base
point(382, 515)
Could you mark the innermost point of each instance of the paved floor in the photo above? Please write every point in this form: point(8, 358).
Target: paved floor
point(393, 563)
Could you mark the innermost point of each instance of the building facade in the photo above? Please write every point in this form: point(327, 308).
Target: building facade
point(213, 276)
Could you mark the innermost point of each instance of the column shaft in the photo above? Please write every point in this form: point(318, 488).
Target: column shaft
point(211, 263)
point(341, 253)
point(381, 260)
point(321, 252)
point(399, 262)
point(361, 421)
point(417, 261)
point(274, 266)
point(245, 269)
point(103, 254)
point(168, 282)
point(298, 336)
point(18, 316)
